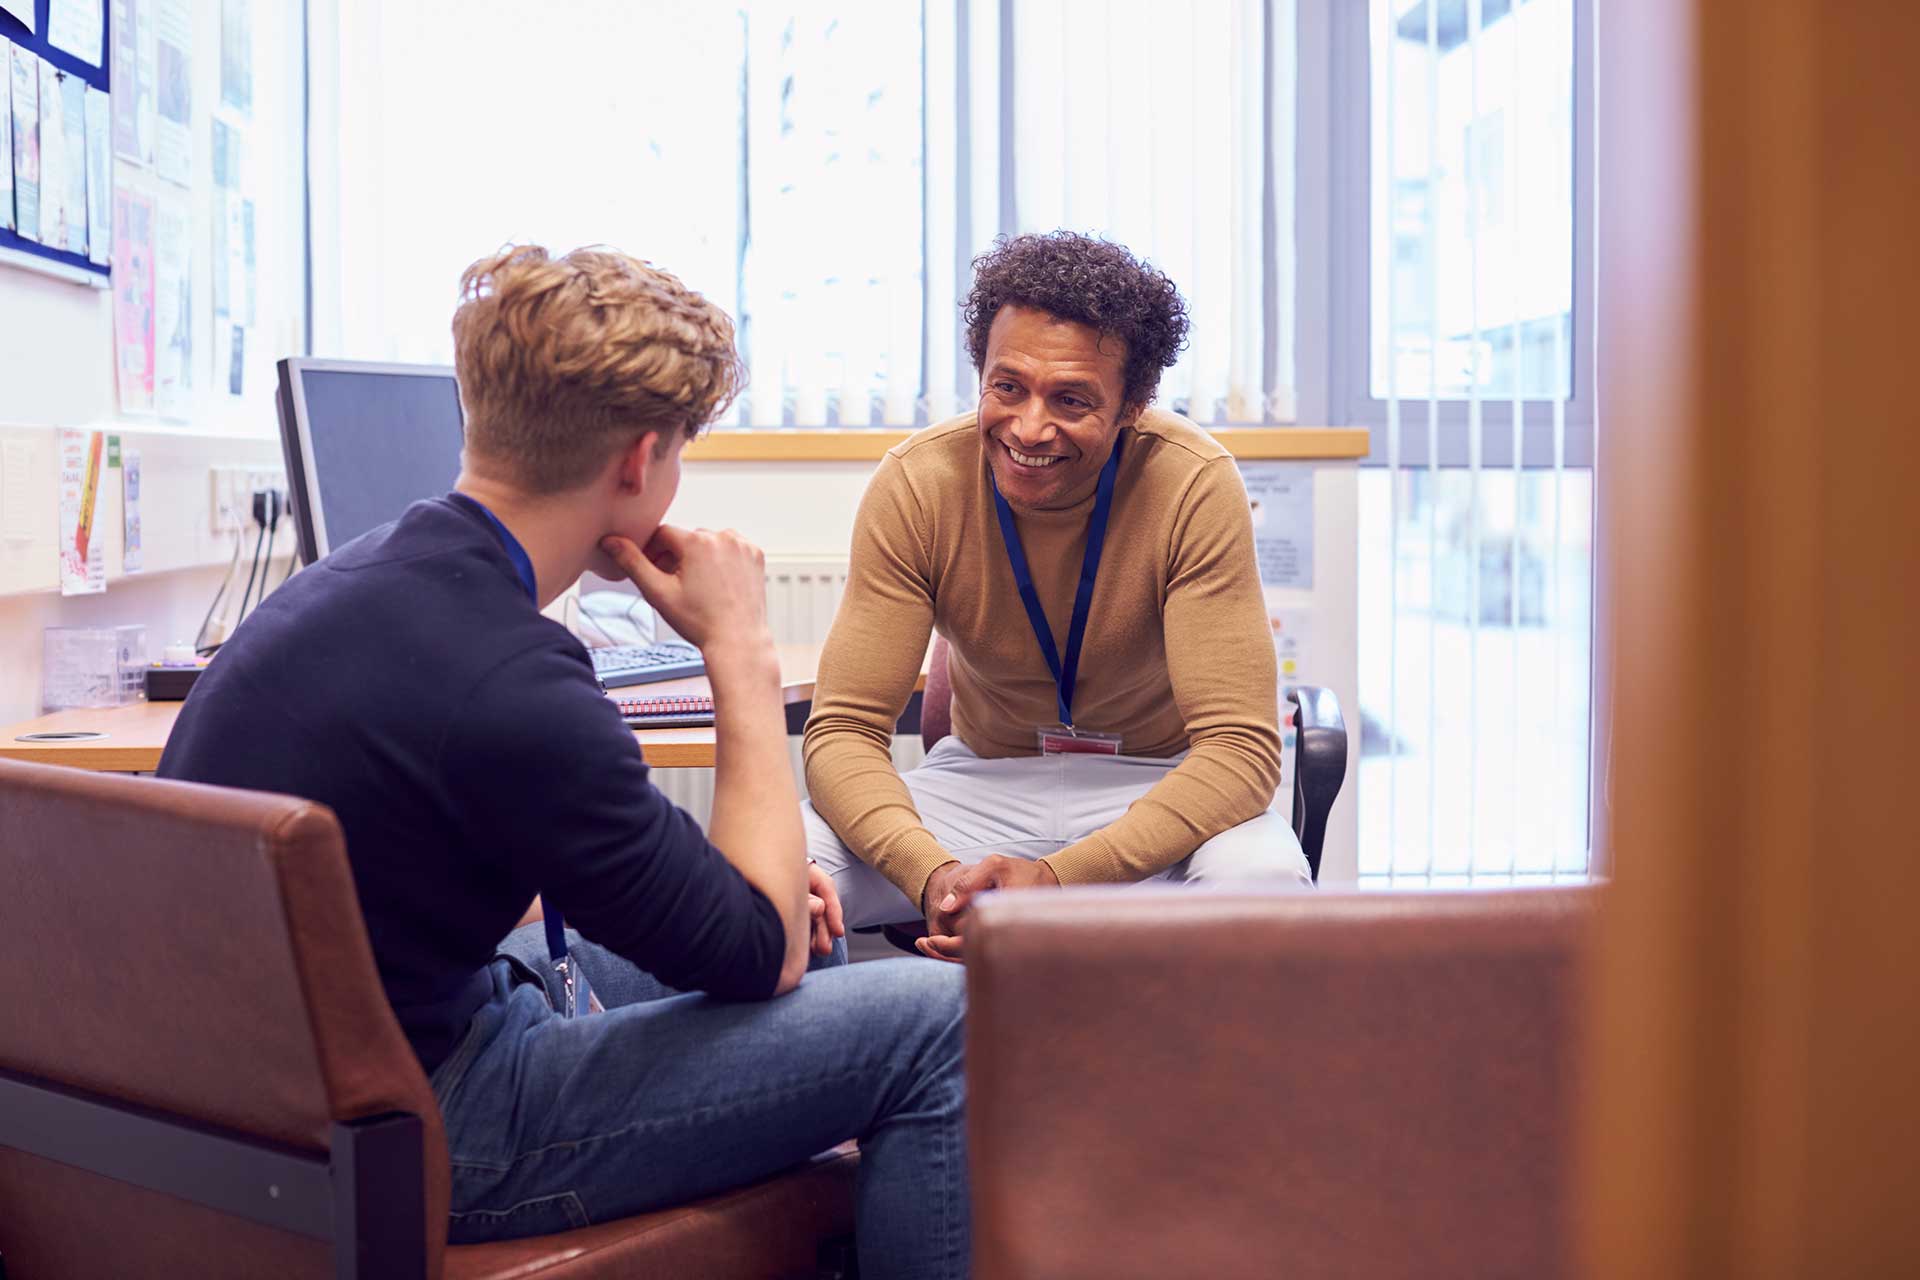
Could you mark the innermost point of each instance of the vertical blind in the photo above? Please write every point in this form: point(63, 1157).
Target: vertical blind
point(1475, 677)
point(826, 172)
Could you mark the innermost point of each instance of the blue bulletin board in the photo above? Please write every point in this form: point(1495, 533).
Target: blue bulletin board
point(15, 32)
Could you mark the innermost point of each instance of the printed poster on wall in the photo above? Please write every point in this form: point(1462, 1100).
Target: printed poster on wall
point(26, 141)
point(132, 556)
point(53, 156)
point(1281, 495)
point(77, 27)
point(99, 178)
point(83, 562)
point(173, 310)
point(73, 117)
point(134, 54)
point(173, 90)
point(6, 135)
point(133, 299)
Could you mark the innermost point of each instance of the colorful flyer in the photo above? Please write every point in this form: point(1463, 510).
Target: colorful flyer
point(83, 563)
point(133, 320)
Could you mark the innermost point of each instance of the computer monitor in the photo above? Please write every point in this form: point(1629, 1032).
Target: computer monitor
point(363, 442)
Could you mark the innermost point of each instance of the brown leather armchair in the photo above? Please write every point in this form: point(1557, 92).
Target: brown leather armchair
point(1178, 1083)
point(200, 1074)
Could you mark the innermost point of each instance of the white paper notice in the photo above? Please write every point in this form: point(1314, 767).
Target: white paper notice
point(78, 27)
point(73, 119)
point(133, 299)
point(236, 55)
point(53, 157)
point(132, 558)
point(1281, 494)
point(83, 564)
point(6, 135)
point(99, 177)
point(173, 87)
point(23, 10)
point(173, 310)
point(26, 141)
point(134, 116)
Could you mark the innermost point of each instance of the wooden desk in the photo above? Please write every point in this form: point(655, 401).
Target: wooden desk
point(135, 735)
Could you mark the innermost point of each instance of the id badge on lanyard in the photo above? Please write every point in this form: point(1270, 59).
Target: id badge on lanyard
point(1063, 738)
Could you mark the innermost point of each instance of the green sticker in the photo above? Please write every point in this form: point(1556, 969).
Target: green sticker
point(113, 451)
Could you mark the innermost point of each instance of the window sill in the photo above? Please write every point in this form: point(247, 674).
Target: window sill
point(871, 444)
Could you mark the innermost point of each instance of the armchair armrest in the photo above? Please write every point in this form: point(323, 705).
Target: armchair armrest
point(1320, 765)
point(1177, 1082)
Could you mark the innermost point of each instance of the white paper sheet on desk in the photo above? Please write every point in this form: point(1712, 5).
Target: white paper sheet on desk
point(77, 27)
point(21, 9)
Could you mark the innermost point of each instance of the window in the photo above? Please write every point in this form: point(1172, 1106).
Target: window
point(826, 172)
point(1476, 511)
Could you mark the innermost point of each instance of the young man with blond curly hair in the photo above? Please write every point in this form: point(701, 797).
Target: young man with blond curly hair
point(409, 682)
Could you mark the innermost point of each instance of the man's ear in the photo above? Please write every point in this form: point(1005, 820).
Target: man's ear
point(636, 463)
point(1130, 414)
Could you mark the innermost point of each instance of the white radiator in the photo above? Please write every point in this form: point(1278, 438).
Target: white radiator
point(802, 594)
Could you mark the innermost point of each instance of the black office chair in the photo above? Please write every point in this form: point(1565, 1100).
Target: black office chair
point(1320, 762)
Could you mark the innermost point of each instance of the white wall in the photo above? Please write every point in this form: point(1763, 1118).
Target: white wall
point(57, 370)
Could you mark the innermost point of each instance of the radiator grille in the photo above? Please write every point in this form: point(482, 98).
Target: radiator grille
point(802, 595)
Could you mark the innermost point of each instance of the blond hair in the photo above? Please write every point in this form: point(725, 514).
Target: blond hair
point(564, 361)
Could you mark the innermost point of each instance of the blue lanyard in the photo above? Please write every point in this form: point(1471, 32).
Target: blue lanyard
point(523, 565)
point(1065, 675)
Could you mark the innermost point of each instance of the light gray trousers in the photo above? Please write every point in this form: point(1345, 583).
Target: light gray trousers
point(1030, 806)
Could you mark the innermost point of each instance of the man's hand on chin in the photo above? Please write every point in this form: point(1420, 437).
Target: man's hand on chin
point(952, 888)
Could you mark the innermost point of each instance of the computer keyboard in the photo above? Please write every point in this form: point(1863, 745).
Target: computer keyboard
point(644, 664)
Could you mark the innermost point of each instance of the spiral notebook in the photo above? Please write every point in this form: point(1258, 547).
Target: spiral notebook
point(666, 711)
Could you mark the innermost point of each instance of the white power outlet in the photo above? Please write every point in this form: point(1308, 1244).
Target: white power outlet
point(230, 509)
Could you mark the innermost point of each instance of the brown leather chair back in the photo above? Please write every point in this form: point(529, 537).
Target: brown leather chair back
point(198, 951)
point(1165, 1083)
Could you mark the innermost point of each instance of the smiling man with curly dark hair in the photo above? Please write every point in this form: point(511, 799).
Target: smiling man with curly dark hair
point(1089, 560)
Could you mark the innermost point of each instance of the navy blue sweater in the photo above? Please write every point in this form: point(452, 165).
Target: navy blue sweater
point(407, 682)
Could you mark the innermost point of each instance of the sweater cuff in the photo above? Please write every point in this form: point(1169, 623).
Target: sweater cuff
point(910, 861)
point(1089, 861)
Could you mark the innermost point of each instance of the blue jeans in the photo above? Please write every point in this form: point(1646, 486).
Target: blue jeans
point(554, 1123)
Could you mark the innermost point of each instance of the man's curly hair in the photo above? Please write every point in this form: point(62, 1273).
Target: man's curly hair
point(1089, 281)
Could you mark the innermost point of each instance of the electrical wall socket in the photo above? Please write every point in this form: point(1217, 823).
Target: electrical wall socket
point(231, 490)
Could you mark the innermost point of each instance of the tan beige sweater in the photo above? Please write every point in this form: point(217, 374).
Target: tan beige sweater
point(1177, 653)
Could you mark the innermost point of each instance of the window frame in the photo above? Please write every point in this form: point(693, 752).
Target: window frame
point(1334, 357)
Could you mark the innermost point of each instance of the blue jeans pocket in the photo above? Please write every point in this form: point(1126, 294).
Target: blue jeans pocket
point(544, 1216)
